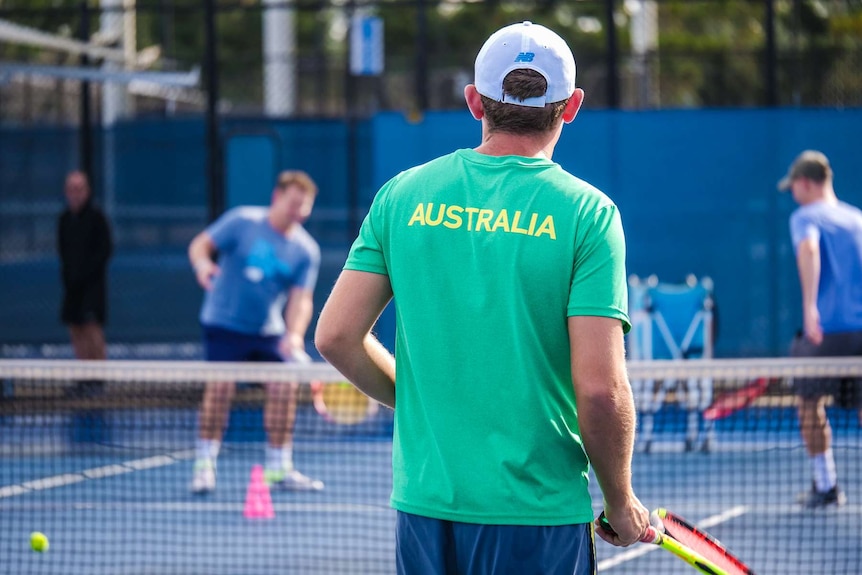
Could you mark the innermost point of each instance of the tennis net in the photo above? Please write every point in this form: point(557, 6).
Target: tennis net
point(99, 455)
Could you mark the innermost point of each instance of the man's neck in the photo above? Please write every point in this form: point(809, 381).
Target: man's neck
point(825, 195)
point(504, 144)
point(282, 227)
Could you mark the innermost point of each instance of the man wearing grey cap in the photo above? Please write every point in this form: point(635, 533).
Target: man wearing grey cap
point(509, 277)
point(827, 238)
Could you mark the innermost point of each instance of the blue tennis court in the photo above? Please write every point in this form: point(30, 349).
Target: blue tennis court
point(122, 505)
point(110, 489)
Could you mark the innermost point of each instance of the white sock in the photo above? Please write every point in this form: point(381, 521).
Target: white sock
point(825, 476)
point(693, 425)
point(709, 429)
point(279, 458)
point(207, 450)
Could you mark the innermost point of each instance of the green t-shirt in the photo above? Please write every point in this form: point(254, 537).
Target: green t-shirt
point(487, 256)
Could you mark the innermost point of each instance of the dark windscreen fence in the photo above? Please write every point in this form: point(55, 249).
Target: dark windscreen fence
point(99, 456)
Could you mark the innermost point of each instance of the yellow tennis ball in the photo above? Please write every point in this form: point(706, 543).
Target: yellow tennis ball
point(38, 542)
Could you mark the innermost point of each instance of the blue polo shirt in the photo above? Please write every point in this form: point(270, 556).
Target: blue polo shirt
point(837, 228)
point(259, 267)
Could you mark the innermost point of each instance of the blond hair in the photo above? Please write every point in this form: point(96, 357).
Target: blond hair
point(296, 178)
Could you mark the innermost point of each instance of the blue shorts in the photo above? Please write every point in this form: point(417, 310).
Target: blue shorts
point(847, 392)
point(426, 546)
point(225, 345)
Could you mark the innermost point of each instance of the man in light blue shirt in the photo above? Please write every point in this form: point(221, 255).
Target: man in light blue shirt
point(257, 307)
point(827, 238)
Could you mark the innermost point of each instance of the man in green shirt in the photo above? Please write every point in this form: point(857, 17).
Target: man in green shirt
point(508, 275)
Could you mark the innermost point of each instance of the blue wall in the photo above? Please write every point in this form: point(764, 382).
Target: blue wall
point(696, 190)
point(697, 193)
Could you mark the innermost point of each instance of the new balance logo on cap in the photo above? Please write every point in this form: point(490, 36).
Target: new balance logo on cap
point(525, 57)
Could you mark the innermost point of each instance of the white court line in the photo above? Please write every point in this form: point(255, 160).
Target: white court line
point(64, 479)
point(155, 461)
point(625, 556)
point(237, 507)
point(711, 521)
point(731, 513)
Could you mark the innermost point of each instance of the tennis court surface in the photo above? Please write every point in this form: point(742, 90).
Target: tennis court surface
point(103, 470)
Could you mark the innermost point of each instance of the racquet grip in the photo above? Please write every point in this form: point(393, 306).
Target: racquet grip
point(652, 534)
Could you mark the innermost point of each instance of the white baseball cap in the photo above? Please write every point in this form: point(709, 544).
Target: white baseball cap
point(530, 46)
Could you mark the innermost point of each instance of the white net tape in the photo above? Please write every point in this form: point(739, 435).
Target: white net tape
point(200, 371)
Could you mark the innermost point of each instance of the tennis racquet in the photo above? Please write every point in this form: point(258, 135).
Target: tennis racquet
point(730, 402)
point(337, 402)
point(340, 402)
point(700, 550)
point(701, 541)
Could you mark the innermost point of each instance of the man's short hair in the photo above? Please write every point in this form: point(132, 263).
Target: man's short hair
point(810, 164)
point(296, 178)
point(523, 120)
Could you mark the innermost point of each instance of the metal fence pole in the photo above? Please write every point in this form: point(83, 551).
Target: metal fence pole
point(771, 60)
point(85, 141)
point(213, 141)
point(613, 96)
point(421, 57)
point(351, 93)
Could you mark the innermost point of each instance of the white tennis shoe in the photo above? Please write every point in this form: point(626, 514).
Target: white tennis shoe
point(203, 478)
point(291, 481)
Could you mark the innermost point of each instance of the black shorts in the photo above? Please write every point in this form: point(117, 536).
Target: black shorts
point(847, 392)
point(84, 305)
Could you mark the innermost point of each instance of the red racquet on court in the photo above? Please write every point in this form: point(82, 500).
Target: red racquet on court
point(730, 402)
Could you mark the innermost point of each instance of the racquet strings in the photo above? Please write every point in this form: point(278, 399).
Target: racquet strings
point(702, 543)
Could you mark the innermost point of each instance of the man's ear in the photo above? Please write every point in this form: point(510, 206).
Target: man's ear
point(474, 101)
point(573, 106)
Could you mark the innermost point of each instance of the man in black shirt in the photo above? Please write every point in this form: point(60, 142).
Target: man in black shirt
point(84, 244)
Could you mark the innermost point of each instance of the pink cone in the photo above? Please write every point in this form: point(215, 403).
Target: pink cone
point(258, 503)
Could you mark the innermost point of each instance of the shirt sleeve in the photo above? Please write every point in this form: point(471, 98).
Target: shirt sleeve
point(599, 278)
point(224, 231)
point(367, 252)
point(803, 227)
point(308, 277)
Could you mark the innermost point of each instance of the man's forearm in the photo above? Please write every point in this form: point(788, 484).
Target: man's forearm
point(201, 249)
point(809, 274)
point(607, 424)
point(297, 316)
point(369, 366)
point(198, 252)
point(344, 338)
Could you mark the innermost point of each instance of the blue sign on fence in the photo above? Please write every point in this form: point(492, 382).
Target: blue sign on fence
point(366, 46)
